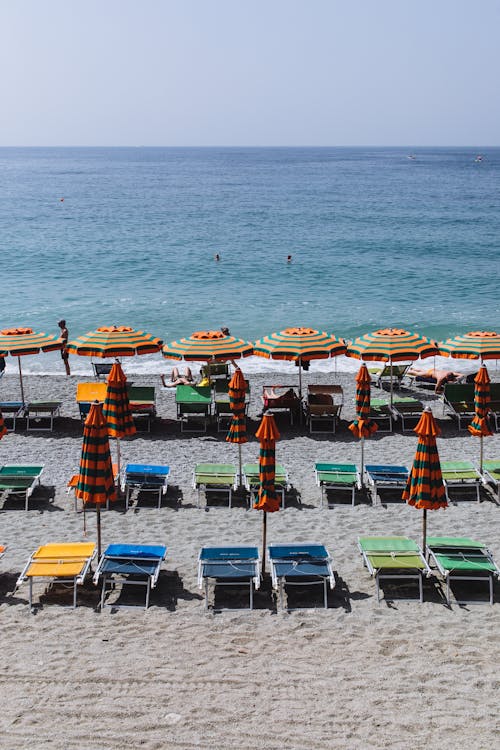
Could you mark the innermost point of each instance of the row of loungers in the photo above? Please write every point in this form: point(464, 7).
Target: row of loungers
point(21, 480)
point(397, 559)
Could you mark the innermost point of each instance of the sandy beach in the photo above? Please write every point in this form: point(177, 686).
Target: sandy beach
point(357, 675)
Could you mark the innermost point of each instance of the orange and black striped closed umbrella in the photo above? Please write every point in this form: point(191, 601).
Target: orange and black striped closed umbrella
point(267, 500)
point(363, 427)
point(203, 346)
point(116, 408)
point(473, 345)
point(425, 489)
point(238, 428)
point(95, 478)
point(3, 429)
point(114, 341)
point(19, 342)
point(479, 426)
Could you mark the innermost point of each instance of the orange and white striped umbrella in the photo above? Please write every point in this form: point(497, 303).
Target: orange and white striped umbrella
point(392, 345)
point(203, 346)
point(299, 345)
point(19, 342)
point(114, 341)
point(473, 345)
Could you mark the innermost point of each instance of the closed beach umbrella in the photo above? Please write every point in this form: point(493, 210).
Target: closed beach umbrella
point(425, 489)
point(392, 345)
point(267, 500)
point(299, 345)
point(203, 346)
point(238, 428)
point(116, 409)
point(3, 429)
point(114, 341)
point(479, 426)
point(96, 482)
point(473, 345)
point(19, 342)
point(363, 427)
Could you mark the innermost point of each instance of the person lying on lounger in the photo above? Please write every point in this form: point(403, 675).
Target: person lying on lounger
point(433, 375)
point(177, 379)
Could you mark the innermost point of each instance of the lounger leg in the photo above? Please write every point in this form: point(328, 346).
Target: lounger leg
point(448, 600)
point(31, 594)
point(103, 592)
point(206, 593)
point(421, 588)
point(281, 593)
point(148, 589)
point(230, 496)
point(74, 593)
point(325, 594)
point(26, 502)
point(478, 494)
point(251, 593)
point(491, 588)
point(353, 495)
point(378, 588)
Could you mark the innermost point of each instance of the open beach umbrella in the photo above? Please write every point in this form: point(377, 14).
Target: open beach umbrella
point(238, 428)
point(425, 489)
point(267, 500)
point(19, 342)
point(299, 345)
point(203, 346)
point(479, 426)
point(116, 408)
point(114, 341)
point(96, 482)
point(363, 427)
point(473, 345)
point(392, 345)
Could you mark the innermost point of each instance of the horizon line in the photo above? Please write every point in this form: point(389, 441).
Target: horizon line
point(366, 145)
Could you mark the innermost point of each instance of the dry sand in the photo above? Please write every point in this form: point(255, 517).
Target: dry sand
point(358, 675)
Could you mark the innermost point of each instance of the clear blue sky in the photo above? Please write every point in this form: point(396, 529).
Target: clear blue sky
point(249, 72)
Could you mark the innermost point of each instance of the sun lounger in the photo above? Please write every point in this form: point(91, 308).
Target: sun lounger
point(217, 478)
point(337, 477)
point(86, 393)
point(229, 566)
point(222, 408)
point(145, 478)
point(460, 475)
point(63, 563)
point(300, 565)
point(458, 400)
point(380, 412)
point(382, 375)
point(279, 398)
point(406, 408)
point(194, 405)
point(71, 486)
point(393, 558)
point(494, 403)
point(216, 371)
point(462, 559)
point(40, 415)
point(130, 565)
point(385, 476)
point(19, 479)
point(142, 400)
point(323, 407)
point(252, 482)
point(491, 473)
point(12, 410)
point(101, 369)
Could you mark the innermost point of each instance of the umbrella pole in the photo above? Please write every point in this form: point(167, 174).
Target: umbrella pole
point(118, 459)
point(21, 379)
point(391, 383)
point(481, 454)
point(300, 391)
point(240, 470)
point(362, 460)
point(264, 540)
point(98, 517)
point(424, 530)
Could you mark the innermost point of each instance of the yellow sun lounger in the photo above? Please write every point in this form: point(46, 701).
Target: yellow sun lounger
point(66, 563)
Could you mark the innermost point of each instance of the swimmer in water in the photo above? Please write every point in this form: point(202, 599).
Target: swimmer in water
point(216, 256)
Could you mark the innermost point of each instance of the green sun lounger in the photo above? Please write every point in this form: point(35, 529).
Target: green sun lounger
point(252, 481)
point(382, 375)
point(194, 404)
point(19, 479)
point(406, 407)
point(40, 415)
point(393, 558)
point(337, 477)
point(458, 399)
point(491, 473)
point(462, 559)
point(381, 413)
point(460, 475)
point(215, 478)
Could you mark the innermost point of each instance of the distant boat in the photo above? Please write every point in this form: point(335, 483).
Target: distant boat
point(411, 156)
point(478, 158)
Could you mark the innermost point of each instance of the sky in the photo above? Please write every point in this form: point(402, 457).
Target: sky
point(249, 73)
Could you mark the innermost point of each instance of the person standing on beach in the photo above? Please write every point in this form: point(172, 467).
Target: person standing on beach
point(64, 351)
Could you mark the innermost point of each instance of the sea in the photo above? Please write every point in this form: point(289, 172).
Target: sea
point(378, 237)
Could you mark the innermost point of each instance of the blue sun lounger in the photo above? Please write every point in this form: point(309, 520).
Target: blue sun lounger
point(301, 565)
point(132, 565)
point(229, 566)
point(387, 476)
point(145, 478)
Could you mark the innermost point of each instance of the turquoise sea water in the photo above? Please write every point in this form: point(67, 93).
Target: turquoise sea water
point(376, 238)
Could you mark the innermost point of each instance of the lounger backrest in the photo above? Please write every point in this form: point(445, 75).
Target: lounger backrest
point(144, 393)
point(457, 393)
point(495, 392)
point(90, 392)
